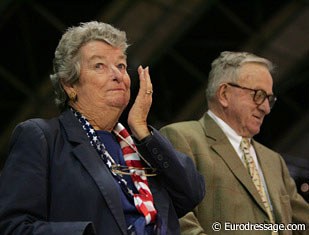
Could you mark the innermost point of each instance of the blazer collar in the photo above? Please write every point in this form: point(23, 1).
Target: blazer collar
point(72, 127)
point(96, 168)
point(220, 144)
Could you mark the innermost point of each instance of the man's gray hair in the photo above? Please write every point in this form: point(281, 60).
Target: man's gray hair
point(226, 67)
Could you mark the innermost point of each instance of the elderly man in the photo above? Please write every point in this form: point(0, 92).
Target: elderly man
point(249, 188)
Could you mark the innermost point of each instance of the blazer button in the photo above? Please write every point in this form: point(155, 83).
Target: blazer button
point(155, 151)
point(160, 157)
point(166, 165)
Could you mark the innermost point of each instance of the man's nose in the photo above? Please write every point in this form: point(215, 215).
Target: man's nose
point(265, 106)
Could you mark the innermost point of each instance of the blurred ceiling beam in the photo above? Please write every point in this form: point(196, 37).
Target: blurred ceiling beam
point(158, 24)
point(284, 40)
point(35, 102)
point(152, 26)
point(271, 42)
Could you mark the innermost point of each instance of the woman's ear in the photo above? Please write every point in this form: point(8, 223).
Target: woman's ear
point(223, 95)
point(70, 91)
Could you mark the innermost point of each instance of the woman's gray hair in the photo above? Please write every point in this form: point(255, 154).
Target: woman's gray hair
point(66, 64)
point(226, 67)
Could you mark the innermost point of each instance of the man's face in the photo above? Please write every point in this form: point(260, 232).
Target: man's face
point(243, 114)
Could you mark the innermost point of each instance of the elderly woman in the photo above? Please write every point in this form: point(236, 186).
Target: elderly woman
point(82, 172)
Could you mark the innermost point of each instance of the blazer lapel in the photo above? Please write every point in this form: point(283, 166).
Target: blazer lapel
point(96, 168)
point(220, 144)
point(266, 164)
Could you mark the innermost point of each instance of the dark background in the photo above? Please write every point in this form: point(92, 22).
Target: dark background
point(178, 39)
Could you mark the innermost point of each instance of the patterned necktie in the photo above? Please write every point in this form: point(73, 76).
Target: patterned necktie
point(250, 165)
point(143, 200)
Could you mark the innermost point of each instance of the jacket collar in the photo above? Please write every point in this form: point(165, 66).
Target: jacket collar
point(220, 144)
point(96, 168)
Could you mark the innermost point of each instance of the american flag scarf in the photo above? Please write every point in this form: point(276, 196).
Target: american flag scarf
point(143, 200)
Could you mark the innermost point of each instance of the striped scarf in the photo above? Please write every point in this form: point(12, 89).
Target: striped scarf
point(143, 200)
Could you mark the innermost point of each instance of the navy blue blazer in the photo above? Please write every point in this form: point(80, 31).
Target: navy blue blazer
point(54, 182)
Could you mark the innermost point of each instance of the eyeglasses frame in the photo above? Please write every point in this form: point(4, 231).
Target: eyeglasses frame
point(271, 98)
point(130, 170)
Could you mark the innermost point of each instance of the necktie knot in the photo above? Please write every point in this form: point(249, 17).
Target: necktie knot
point(245, 144)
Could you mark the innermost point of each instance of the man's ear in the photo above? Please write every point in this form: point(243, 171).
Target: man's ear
point(222, 95)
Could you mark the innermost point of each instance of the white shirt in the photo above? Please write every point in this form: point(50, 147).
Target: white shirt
point(235, 140)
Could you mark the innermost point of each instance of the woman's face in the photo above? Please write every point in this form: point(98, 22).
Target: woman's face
point(104, 81)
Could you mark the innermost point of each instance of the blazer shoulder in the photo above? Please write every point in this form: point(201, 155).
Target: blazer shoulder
point(260, 147)
point(37, 124)
point(184, 126)
point(47, 127)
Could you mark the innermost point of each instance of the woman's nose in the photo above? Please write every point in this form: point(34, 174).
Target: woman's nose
point(114, 71)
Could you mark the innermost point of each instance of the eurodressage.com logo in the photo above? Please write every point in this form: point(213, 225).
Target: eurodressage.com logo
point(228, 226)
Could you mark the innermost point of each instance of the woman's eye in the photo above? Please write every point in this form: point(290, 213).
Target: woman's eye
point(121, 66)
point(98, 66)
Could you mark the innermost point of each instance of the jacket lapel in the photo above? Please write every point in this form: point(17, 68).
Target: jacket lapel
point(220, 144)
point(266, 164)
point(96, 168)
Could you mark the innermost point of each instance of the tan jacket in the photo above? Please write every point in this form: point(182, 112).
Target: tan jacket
point(231, 197)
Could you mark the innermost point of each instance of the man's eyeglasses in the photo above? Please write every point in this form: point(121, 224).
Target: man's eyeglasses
point(129, 170)
point(259, 95)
